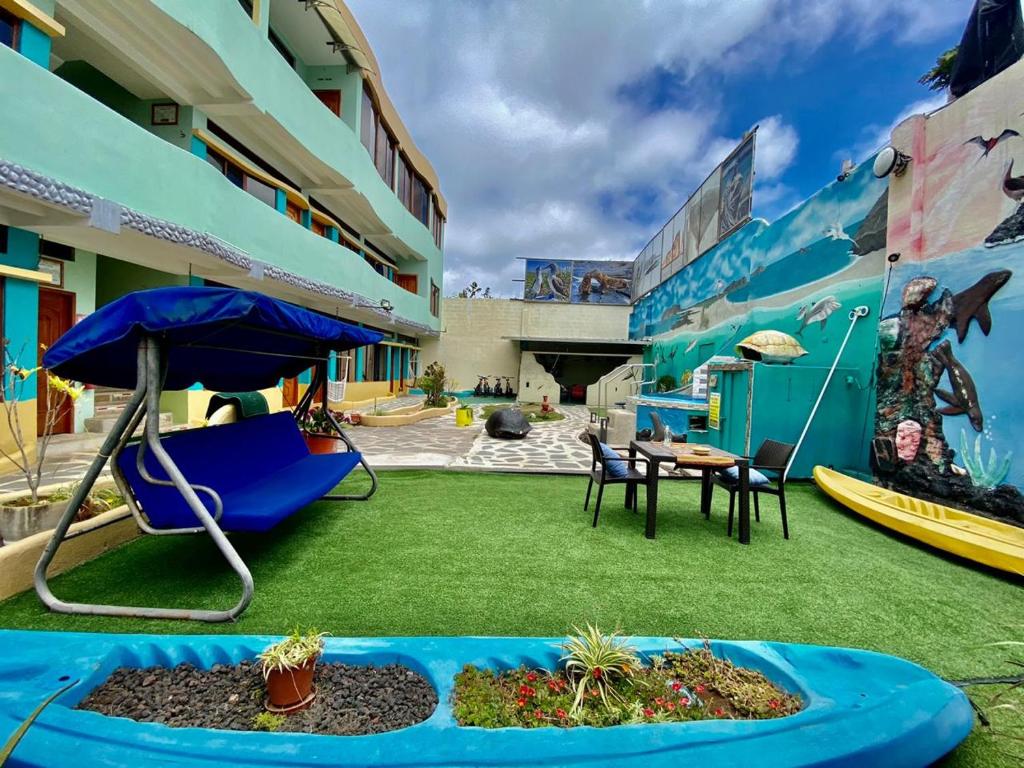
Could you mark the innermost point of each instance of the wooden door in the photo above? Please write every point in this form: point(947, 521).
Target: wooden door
point(408, 282)
point(331, 99)
point(290, 393)
point(56, 315)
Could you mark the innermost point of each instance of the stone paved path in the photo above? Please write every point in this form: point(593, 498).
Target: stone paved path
point(550, 447)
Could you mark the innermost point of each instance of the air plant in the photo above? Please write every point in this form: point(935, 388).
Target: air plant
point(594, 661)
point(983, 475)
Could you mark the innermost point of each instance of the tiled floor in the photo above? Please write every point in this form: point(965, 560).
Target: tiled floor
point(549, 447)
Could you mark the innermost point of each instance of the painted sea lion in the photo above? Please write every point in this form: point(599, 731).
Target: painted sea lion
point(964, 397)
point(972, 303)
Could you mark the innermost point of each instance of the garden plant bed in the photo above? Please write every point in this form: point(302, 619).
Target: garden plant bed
point(350, 700)
point(674, 687)
point(532, 411)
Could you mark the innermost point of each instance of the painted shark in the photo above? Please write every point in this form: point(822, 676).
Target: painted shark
point(972, 303)
point(964, 397)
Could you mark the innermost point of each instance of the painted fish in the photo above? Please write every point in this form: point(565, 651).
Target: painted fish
point(692, 345)
point(817, 313)
point(964, 397)
point(972, 303)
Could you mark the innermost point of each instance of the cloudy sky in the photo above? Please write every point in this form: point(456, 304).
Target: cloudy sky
point(576, 128)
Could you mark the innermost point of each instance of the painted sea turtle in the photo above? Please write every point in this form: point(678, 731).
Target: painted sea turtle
point(770, 347)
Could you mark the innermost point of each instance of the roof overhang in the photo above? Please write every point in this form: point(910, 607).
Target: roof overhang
point(578, 346)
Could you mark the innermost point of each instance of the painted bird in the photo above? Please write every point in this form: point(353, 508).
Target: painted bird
point(555, 281)
point(836, 232)
point(987, 145)
point(1013, 186)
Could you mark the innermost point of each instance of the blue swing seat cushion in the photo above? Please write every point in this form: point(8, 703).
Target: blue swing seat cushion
point(260, 467)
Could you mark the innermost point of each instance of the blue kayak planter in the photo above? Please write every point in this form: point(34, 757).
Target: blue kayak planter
point(861, 709)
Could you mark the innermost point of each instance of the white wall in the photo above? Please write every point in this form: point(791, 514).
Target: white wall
point(473, 337)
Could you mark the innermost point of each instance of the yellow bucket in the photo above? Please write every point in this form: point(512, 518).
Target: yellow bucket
point(463, 416)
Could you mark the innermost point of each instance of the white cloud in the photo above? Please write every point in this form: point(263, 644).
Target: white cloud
point(523, 109)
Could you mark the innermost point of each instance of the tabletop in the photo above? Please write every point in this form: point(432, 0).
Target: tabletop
point(683, 454)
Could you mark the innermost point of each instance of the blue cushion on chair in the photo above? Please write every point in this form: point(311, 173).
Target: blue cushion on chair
point(613, 468)
point(732, 475)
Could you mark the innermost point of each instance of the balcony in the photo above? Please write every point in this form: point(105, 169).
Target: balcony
point(212, 56)
point(97, 150)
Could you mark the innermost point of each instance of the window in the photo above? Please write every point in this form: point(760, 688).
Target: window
point(3, 238)
point(368, 123)
point(241, 179)
point(9, 24)
point(377, 139)
point(437, 228)
point(404, 183)
point(435, 299)
point(261, 191)
point(420, 200)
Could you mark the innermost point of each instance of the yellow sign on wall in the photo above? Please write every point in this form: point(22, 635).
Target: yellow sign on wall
point(714, 409)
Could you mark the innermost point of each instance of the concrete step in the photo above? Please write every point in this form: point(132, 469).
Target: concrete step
point(102, 424)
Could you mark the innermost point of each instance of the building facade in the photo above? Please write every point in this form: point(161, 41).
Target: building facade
point(247, 143)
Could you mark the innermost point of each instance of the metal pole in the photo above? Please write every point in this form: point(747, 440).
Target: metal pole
point(855, 314)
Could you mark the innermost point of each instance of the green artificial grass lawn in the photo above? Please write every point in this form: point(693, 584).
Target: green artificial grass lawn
point(442, 553)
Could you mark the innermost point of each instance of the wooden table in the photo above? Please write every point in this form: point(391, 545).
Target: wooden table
point(681, 455)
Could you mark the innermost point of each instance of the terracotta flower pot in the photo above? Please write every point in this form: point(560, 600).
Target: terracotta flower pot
point(320, 443)
point(290, 690)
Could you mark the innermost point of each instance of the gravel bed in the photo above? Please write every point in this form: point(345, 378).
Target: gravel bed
point(350, 701)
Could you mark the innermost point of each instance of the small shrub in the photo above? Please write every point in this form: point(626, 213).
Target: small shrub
point(267, 721)
point(433, 383)
point(666, 383)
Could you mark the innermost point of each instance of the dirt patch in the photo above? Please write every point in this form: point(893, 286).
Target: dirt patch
point(351, 700)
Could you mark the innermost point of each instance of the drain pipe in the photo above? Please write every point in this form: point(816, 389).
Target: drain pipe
point(855, 314)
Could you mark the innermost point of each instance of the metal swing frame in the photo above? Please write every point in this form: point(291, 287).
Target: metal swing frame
point(319, 383)
point(144, 403)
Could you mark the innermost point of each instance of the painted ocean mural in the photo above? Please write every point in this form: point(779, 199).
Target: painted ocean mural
point(949, 406)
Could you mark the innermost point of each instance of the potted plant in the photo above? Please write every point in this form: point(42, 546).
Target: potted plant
point(316, 429)
point(30, 513)
point(288, 668)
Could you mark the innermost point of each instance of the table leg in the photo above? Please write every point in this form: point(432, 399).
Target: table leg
point(652, 498)
point(630, 487)
point(744, 491)
point(705, 492)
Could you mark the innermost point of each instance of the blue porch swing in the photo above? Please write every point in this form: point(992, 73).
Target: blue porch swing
point(247, 476)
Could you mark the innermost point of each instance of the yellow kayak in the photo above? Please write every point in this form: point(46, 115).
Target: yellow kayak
point(986, 541)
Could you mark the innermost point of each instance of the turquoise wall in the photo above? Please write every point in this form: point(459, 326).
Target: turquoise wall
point(116, 278)
point(21, 302)
point(761, 278)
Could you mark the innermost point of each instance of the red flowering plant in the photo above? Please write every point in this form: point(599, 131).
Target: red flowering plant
point(675, 687)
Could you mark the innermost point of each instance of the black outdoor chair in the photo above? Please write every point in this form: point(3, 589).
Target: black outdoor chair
point(598, 475)
point(770, 460)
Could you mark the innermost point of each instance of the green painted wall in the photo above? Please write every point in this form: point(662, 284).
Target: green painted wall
point(277, 89)
point(170, 183)
point(80, 279)
point(87, 78)
point(116, 278)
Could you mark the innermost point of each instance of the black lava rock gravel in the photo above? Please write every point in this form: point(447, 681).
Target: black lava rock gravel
point(350, 700)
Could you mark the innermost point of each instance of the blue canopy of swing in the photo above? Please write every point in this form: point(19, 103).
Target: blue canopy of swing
point(222, 338)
